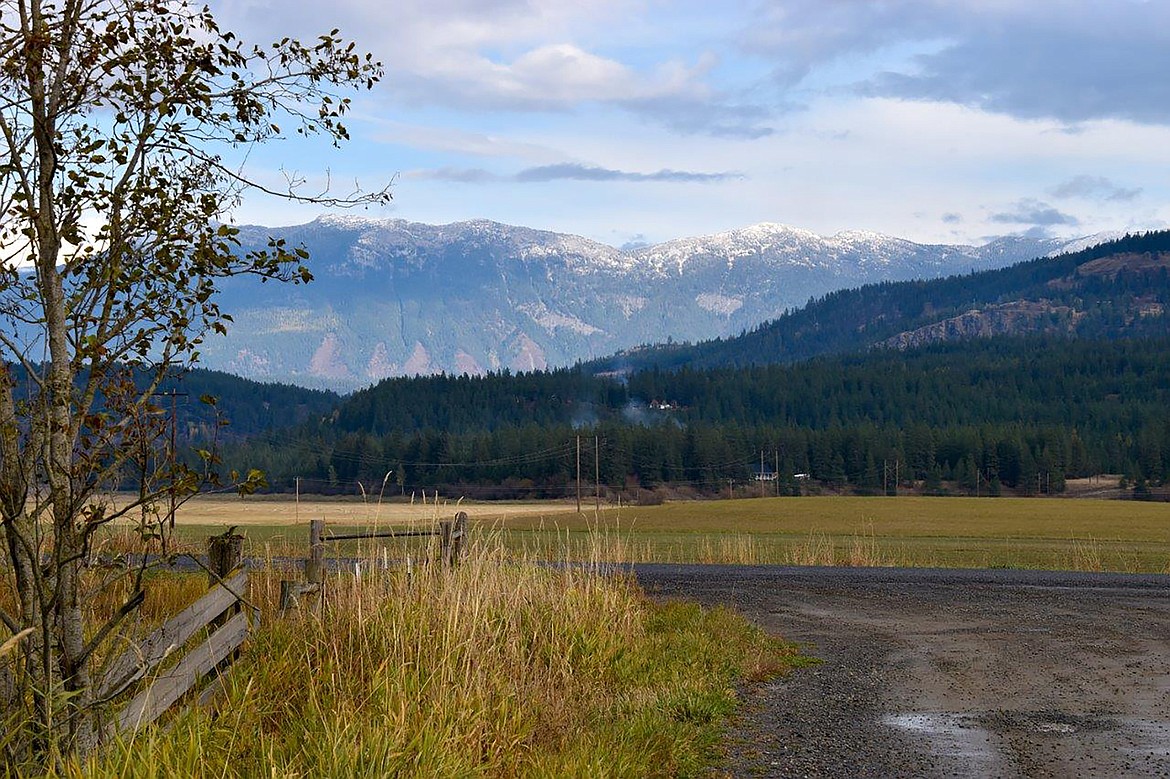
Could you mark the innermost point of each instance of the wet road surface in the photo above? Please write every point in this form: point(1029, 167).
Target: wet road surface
point(943, 673)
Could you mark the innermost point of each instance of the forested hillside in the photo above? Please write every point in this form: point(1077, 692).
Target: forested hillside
point(242, 407)
point(1016, 378)
point(1117, 289)
point(1020, 412)
point(397, 298)
point(209, 403)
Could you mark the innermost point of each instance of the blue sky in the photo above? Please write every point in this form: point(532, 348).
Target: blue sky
point(643, 120)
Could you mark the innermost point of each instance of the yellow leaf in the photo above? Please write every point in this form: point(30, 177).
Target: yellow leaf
point(11, 643)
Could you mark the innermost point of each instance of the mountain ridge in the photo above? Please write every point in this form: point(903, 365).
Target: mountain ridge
point(394, 297)
point(1116, 289)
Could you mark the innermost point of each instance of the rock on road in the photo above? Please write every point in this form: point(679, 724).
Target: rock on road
point(949, 673)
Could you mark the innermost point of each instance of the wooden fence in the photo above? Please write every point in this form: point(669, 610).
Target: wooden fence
point(225, 612)
point(452, 542)
point(222, 610)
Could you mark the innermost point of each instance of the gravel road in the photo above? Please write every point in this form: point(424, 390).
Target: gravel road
point(931, 673)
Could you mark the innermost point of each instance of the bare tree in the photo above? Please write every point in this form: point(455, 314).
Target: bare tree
point(123, 124)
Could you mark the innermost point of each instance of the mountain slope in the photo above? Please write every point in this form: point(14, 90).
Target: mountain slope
point(399, 298)
point(979, 412)
point(1116, 289)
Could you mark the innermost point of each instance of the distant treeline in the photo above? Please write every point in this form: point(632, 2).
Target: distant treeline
point(1021, 413)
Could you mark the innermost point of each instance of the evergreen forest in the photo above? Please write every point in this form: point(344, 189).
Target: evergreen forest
point(1008, 380)
point(1016, 413)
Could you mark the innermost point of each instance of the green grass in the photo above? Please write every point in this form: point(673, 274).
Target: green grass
point(901, 517)
point(506, 668)
point(493, 670)
point(1044, 533)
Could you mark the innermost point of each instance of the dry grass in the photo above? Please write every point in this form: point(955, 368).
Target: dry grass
point(902, 517)
point(905, 531)
point(276, 510)
point(498, 668)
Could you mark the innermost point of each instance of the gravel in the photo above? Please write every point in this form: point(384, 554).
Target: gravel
point(948, 673)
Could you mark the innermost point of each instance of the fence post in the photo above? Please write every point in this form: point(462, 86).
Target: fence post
point(445, 543)
point(452, 536)
point(315, 564)
point(224, 553)
point(288, 595)
point(459, 537)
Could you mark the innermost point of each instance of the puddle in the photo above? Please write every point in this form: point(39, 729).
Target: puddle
point(1150, 738)
point(956, 737)
point(967, 745)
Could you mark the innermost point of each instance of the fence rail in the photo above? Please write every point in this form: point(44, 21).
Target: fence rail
point(225, 613)
point(452, 541)
point(222, 609)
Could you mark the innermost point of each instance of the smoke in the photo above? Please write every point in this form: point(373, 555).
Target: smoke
point(637, 414)
point(584, 415)
point(646, 415)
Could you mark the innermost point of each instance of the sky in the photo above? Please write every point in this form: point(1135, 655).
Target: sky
point(639, 121)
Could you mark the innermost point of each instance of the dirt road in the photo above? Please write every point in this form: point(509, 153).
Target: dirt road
point(950, 673)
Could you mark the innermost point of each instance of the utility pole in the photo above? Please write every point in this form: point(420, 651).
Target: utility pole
point(174, 425)
point(578, 474)
point(761, 473)
point(730, 494)
point(173, 448)
point(777, 481)
point(886, 476)
point(597, 474)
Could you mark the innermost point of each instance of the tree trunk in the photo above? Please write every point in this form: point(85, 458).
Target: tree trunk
point(21, 541)
point(60, 589)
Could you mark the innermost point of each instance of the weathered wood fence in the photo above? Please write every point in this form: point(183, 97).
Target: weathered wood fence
point(222, 610)
point(452, 542)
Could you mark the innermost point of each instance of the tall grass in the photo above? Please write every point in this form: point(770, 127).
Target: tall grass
point(496, 668)
point(857, 549)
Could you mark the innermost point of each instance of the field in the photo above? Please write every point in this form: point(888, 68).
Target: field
point(496, 667)
point(1052, 533)
point(283, 511)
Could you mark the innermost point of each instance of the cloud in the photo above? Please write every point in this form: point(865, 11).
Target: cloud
point(1094, 188)
point(952, 218)
point(565, 77)
point(553, 56)
point(458, 175)
point(1044, 59)
point(1035, 213)
point(1037, 231)
point(569, 171)
point(717, 117)
point(577, 172)
point(452, 139)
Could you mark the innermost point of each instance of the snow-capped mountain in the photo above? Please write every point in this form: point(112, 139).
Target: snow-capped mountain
point(393, 297)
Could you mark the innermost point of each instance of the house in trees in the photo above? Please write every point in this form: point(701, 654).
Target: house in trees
point(763, 472)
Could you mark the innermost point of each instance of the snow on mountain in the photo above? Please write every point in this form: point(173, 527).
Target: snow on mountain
point(1080, 244)
point(757, 241)
point(393, 297)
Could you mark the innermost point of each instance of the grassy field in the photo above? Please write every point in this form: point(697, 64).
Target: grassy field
point(503, 667)
point(284, 510)
point(491, 669)
point(1053, 533)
